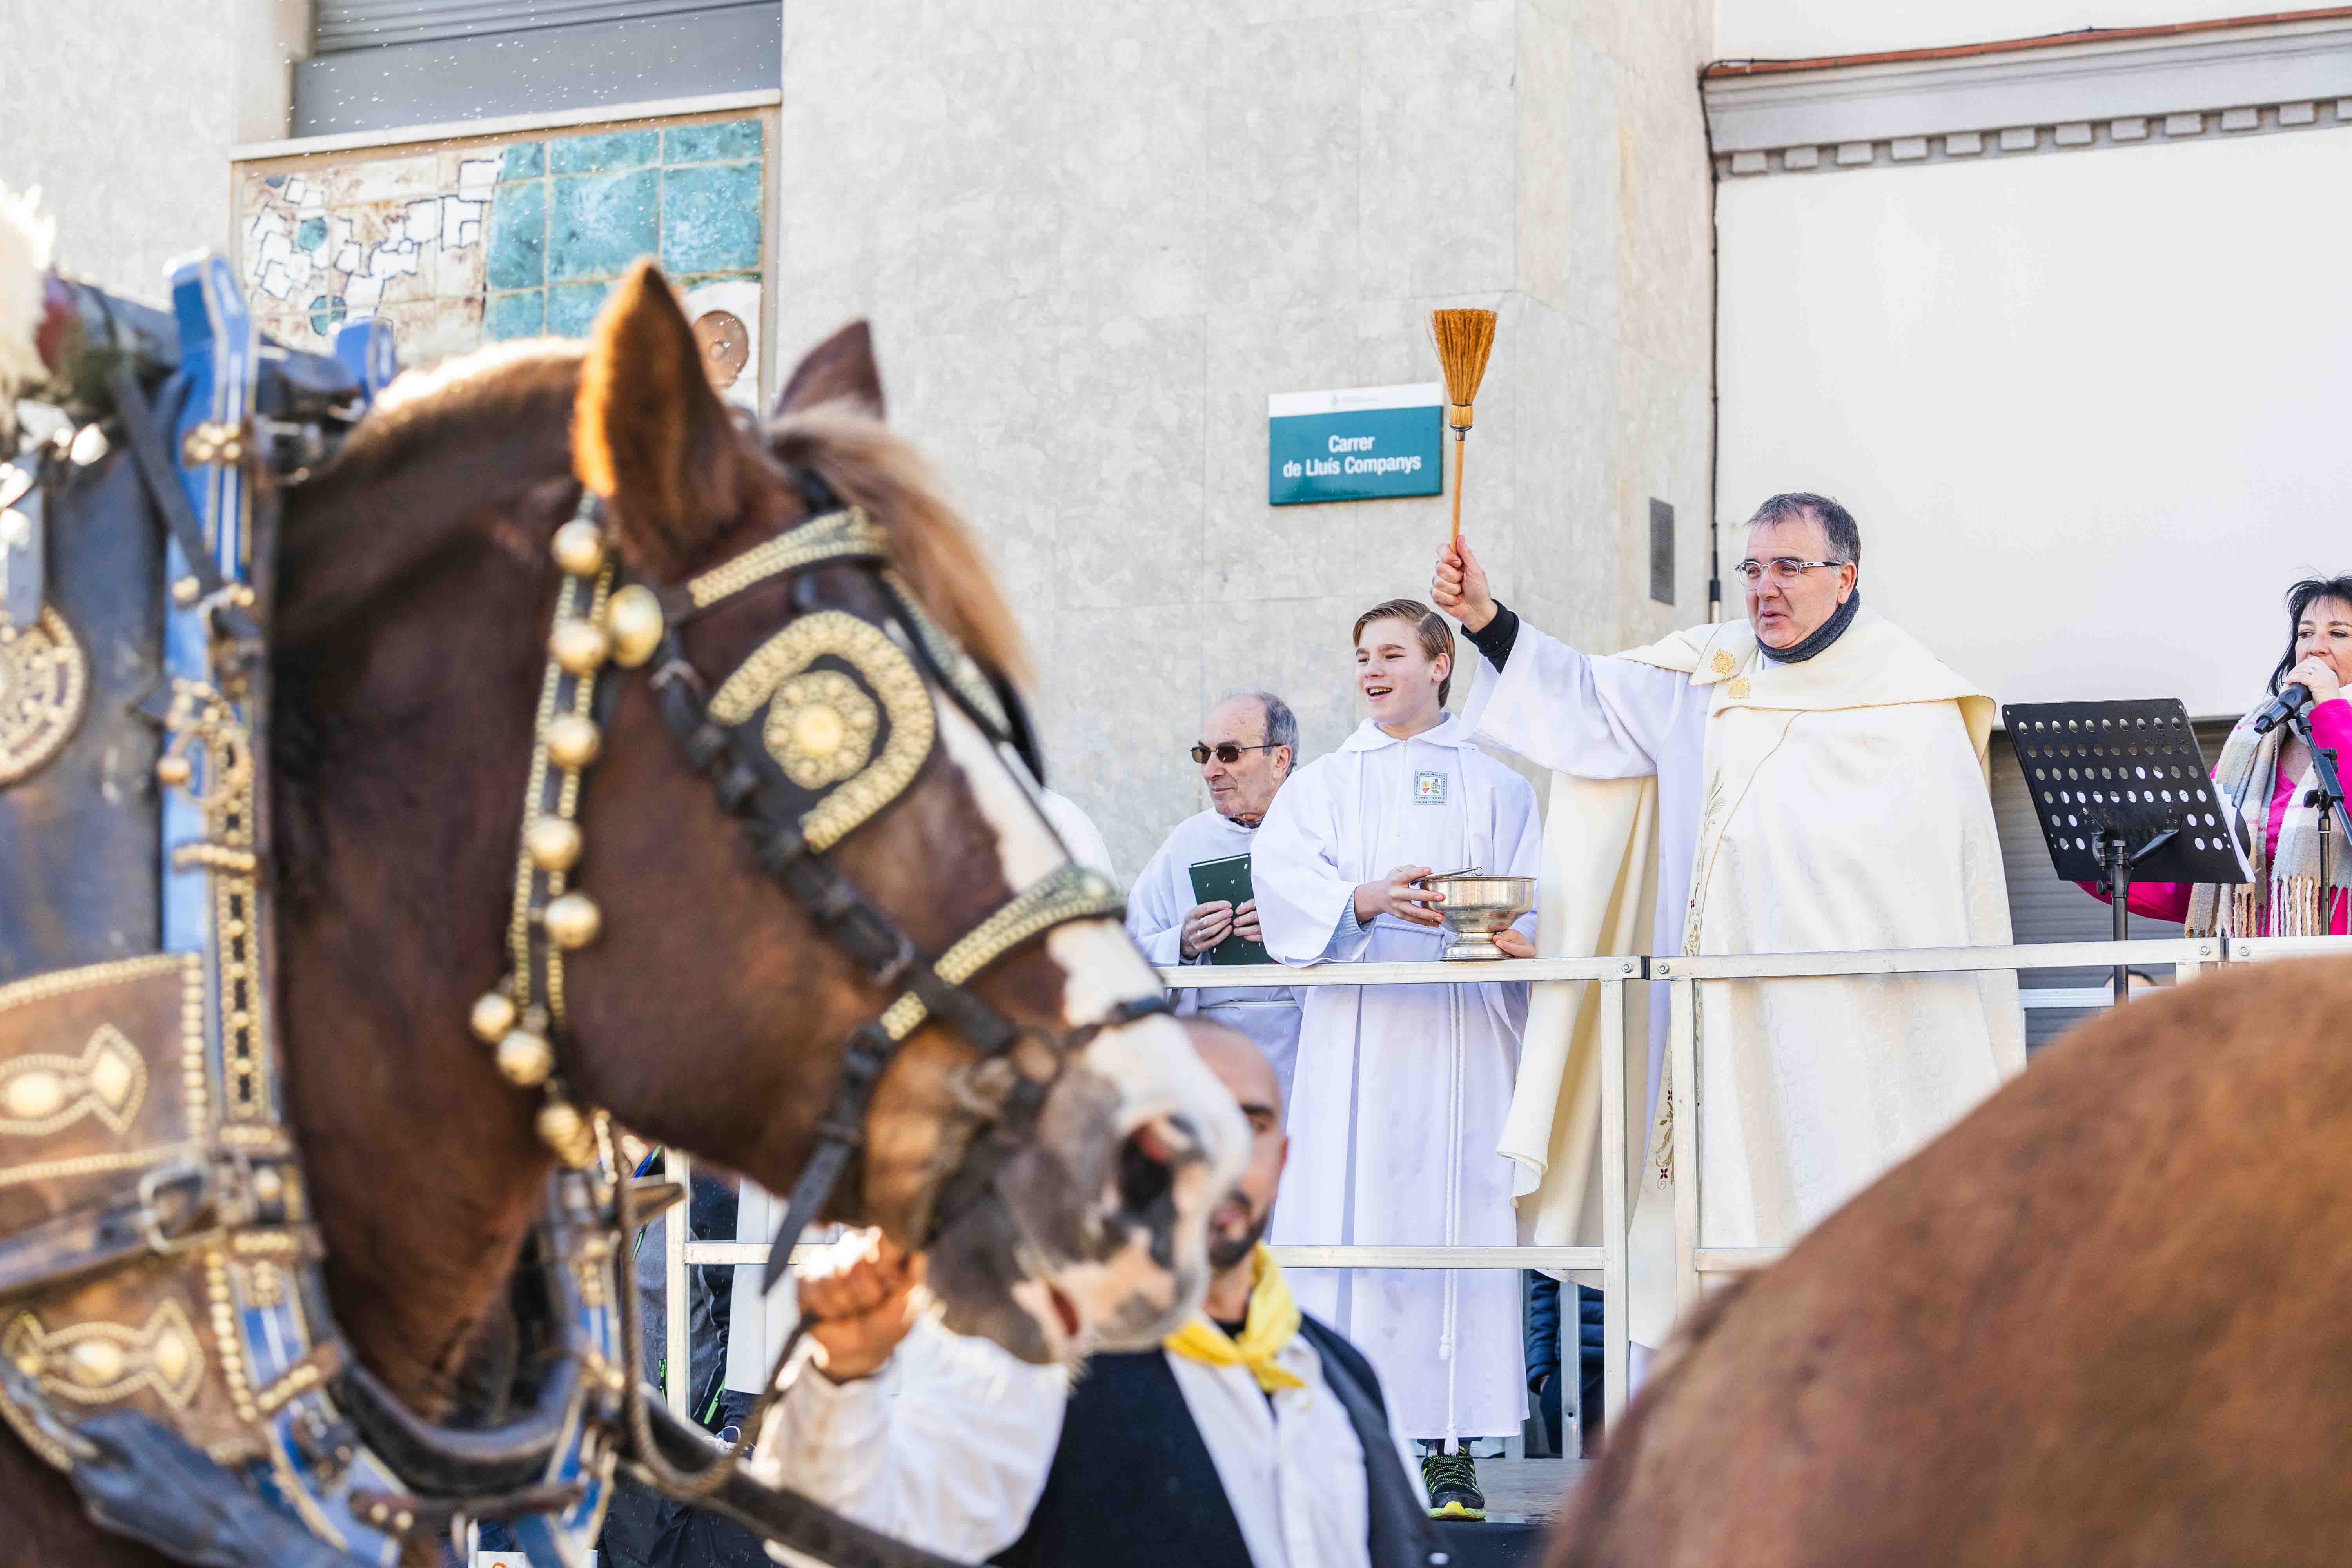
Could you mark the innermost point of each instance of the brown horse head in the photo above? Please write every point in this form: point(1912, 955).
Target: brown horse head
point(712, 1012)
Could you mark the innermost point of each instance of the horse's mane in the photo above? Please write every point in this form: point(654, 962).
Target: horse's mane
point(490, 398)
point(493, 389)
point(871, 466)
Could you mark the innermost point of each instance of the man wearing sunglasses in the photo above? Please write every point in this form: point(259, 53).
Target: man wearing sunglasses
point(1807, 779)
point(1248, 744)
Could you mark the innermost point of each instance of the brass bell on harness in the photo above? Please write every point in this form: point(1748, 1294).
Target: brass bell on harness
point(579, 548)
point(524, 1058)
point(579, 646)
point(562, 1128)
point(493, 1016)
point(553, 843)
point(572, 740)
point(634, 618)
point(572, 920)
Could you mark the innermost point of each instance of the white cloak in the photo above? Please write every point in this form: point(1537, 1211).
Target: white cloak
point(1078, 832)
point(1156, 907)
point(1402, 1090)
point(1835, 804)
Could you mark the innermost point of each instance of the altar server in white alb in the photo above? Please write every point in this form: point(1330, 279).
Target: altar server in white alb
point(1819, 784)
point(1249, 743)
point(1401, 1091)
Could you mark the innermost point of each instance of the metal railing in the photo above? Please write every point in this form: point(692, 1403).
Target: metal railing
point(1605, 1265)
point(1685, 976)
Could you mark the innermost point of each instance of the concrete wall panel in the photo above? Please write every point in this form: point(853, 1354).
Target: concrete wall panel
point(122, 112)
point(2089, 443)
point(1197, 208)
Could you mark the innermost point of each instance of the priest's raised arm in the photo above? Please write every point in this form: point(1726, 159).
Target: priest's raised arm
point(1590, 716)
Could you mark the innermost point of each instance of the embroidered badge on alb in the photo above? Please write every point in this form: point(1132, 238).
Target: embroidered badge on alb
point(1428, 789)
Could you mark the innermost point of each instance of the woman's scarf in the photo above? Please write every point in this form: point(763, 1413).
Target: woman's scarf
point(2285, 884)
point(1272, 1320)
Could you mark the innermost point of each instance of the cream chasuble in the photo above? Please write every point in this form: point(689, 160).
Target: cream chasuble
point(1835, 803)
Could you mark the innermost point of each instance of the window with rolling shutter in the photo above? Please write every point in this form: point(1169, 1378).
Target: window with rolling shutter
point(381, 64)
point(367, 24)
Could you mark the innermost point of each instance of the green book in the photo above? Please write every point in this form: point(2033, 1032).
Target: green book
point(1228, 879)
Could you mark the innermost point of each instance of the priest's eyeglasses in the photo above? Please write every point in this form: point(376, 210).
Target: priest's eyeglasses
point(1225, 752)
point(1783, 570)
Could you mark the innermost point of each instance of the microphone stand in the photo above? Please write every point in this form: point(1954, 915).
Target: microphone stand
point(2329, 798)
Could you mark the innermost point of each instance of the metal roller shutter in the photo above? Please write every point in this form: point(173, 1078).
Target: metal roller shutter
point(367, 24)
point(381, 64)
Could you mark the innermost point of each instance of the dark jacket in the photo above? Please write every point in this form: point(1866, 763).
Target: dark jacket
point(1132, 1483)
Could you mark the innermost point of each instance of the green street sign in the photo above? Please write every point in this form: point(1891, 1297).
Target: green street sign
point(1362, 444)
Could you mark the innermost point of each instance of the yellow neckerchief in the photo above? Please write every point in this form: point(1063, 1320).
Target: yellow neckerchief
point(1273, 1321)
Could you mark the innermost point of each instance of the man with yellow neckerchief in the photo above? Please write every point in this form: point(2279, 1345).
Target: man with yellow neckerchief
point(1254, 1436)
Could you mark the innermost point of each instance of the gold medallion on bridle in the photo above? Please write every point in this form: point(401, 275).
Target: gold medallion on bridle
point(44, 685)
point(823, 729)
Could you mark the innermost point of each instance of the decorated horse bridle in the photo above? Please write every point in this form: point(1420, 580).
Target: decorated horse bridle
point(814, 733)
point(165, 1334)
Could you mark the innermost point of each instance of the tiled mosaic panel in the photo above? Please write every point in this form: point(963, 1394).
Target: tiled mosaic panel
point(470, 242)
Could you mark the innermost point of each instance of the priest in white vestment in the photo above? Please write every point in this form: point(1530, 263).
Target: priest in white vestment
point(1401, 1091)
point(1820, 785)
point(1248, 745)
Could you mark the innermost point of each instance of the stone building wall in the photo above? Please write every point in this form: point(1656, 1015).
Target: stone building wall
point(1093, 239)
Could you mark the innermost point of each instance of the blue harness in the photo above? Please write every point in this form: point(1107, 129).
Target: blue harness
point(182, 1283)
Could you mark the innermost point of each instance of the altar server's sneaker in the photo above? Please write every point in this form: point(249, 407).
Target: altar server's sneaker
point(1451, 1482)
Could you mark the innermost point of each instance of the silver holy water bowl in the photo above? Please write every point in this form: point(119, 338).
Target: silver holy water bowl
point(1477, 906)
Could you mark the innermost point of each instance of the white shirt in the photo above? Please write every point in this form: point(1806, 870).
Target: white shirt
point(949, 1446)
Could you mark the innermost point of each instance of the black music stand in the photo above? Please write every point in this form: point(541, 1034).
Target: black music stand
point(2122, 792)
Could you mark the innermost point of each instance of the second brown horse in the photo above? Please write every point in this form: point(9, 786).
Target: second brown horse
point(2105, 1320)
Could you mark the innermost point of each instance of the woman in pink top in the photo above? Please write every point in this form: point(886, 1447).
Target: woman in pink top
point(2272, 775)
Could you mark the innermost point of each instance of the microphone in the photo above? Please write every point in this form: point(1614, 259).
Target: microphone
point(2283, 707)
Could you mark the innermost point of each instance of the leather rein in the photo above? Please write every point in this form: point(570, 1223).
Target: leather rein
point(815, 732)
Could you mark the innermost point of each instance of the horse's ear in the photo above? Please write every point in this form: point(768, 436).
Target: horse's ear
point(648, 432)
point(839, 369)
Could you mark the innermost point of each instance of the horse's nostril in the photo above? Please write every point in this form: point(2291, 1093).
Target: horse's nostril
point(1147, 1168)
